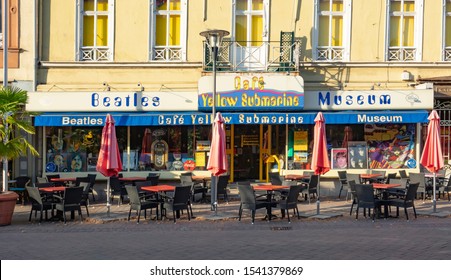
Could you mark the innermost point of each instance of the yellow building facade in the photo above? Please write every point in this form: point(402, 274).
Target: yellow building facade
point(366, 64)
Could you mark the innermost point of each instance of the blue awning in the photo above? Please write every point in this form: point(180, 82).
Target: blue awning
point(201, 118)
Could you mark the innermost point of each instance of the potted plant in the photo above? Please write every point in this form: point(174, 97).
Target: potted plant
point(14, 124)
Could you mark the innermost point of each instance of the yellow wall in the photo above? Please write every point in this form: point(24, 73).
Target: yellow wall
point(131, 50)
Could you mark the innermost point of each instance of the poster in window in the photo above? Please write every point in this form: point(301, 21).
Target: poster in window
point(357, 155)
point(339, 158)
point(300, 141)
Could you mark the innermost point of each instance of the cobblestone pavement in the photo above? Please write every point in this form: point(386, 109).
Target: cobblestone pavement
point(223, 237)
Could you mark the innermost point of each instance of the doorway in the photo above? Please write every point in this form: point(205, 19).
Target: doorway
point(246, 152)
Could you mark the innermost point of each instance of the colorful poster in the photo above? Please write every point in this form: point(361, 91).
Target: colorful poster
point(200, 159)
point(391, 146)
point(339, 158)
point(300, 140)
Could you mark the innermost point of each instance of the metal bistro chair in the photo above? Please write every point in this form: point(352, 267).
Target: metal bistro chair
point(343, 182)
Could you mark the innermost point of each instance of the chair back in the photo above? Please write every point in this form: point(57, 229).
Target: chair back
point(34, 194)
point(390, 176)
point(73, 196)
point(274, 178)
point(85, 195)
point(365, 195)
point(352, 184)
point(223, 181)
point(411, 193)
point(153, 179)
point(293, 194)
point(92, 179)
point(133, 195)
point(342, 176)
point(402, 182)
point(353, 177)
point(181, 195)
point(186, 178)
point(313, 183)
point(418, 178)
point(247, 195)
point(22, 182)
point(78, 180)
point(403, 174)
point(115, 184)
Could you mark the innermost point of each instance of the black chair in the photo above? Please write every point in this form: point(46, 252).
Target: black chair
point(70, 202)
point(408, 201)
point(390, 176)
point(153, 179)
point(403, 174)
point(222, 189)
point(143, 194)
point(198, 187)
point(19, 187)
point(353, 195)
point(366, 199)
point(138, 204)
point(179, 201)
point(78, 180)
point(38, 203)
point(343, 182)
point(445, 187)
point(290, 202)
point(274, 178)
point(56, 176)
point(85, 196)
point(92, 182)
point(117, 189)
point(248, 200)
point(312, 188)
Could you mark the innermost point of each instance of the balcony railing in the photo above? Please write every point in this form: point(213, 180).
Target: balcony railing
point(271, 56)
point(447, 54)
point(402, 54)
point(95, 54)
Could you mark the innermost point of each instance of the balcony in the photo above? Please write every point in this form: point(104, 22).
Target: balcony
point(270, 56)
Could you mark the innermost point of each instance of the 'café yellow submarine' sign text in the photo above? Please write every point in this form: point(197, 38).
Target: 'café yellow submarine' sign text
point(252, 93)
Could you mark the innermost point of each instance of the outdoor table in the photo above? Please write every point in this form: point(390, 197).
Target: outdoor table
point(367, 177)
point(382, 188)
point(269, 191)
point(159, 189)
point(52, 189)
point(296, 177)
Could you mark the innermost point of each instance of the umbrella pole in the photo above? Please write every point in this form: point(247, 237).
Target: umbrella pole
point(214, 187)
point(317, 196)
point(434, 201)
point(108, 205)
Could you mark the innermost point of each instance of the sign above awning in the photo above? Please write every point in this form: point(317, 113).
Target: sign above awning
point(252, 92)
point(199, 118)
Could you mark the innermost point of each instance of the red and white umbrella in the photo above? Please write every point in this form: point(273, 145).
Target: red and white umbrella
point(432, 157)
point(217, 162)
point(109, 162)
point(320, 158)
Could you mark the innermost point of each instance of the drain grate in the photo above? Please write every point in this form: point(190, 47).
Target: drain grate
point(281, 228)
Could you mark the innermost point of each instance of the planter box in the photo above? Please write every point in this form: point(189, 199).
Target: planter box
point(7, 203)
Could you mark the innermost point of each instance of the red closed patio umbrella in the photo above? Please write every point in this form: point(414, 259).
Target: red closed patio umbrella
point(217, 162)
point(432, 156)
point(109, 162)
point(320, 158)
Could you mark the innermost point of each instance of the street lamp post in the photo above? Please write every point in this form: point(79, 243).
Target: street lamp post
point(214, 40)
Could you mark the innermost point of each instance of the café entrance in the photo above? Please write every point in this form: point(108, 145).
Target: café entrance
point(252, 145)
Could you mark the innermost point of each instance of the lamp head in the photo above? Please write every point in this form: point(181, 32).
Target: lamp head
point(214, 37)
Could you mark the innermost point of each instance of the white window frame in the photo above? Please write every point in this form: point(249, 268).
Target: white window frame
point(94, 54)
point(248, 14)
point(333, 53)
point(446, 50)
point(168, 53)
point(418, 33)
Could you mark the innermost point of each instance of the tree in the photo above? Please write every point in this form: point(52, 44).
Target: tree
point(14, 123)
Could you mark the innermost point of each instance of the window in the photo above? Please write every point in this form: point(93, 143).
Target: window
point(332, 30)
point(404, 31)
point(168, 30)
point(96, 30)
point(447, 31)
point(13, 33)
